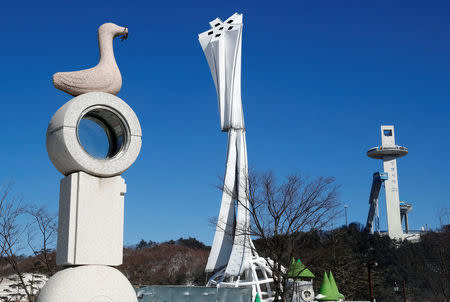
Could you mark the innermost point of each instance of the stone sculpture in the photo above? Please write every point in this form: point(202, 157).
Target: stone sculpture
point(104, 77)
point(91, 205)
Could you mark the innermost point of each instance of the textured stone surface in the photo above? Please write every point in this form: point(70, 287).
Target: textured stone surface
point(104, 77)
point(63, 145)
point(90, 224)
point(91, 283)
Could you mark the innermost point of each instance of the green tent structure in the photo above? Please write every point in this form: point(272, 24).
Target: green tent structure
point(327, 292)
point(257, 299)
point(297, 270)
point(334, 286)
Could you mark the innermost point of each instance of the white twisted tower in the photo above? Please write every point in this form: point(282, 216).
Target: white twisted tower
point(232, 254)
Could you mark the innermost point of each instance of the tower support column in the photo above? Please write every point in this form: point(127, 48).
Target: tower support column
point(392, 198)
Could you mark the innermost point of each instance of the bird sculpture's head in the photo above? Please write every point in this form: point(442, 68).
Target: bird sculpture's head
point(113, 30)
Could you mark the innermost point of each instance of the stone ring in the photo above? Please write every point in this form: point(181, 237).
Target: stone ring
point(119, 123)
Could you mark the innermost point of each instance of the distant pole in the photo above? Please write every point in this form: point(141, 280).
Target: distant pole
point(346, 220)
point(369, 270)
point(370, 283)
point(404, 292)
point(406, 223)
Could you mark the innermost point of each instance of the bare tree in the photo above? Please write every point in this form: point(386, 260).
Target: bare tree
point(443, 215)
point(279, 212)
point(432, 266)
point(14, 225)
point(11, 234)
point(42, 237)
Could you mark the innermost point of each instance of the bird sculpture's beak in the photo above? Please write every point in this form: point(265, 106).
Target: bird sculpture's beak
point(124, 34)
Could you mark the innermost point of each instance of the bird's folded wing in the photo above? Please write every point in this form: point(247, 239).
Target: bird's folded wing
point(93, 78)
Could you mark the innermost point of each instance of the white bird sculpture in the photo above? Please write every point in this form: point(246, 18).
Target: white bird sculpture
point(104, 77)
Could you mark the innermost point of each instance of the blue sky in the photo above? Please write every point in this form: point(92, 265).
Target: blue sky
point(319, 78)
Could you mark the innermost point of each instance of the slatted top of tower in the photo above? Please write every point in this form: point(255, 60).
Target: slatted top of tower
point(388, 147)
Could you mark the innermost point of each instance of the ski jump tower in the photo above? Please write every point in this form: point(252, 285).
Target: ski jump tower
point(388, 152)
point(233, 258)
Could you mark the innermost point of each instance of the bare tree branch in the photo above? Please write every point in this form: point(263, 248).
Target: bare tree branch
point(41, 238)
point(11, 233)
point(279, 212)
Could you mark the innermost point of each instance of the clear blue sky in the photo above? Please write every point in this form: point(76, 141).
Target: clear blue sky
point(319, 78)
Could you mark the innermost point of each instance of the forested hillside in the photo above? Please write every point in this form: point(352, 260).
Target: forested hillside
point(424, 265)
point(180, 262)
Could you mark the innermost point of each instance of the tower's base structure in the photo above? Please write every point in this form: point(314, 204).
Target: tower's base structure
point(258, 276)
point(373, 218)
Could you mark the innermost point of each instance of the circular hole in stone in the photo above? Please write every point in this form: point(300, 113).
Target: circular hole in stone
point(102, 133)
point(93, 138)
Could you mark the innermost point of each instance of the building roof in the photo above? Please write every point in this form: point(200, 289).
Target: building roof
point(298, 270)
point(257, 299)
point(327, 292)
point(334, 286)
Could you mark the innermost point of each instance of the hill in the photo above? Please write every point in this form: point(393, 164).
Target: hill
point(423, 265)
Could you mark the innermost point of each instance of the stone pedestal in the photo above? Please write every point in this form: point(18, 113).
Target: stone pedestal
point(90, 226)
point(91, 206)
point(88, 283)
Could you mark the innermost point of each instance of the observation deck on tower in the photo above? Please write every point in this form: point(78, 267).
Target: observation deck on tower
point(388, 148)
point(383, 151)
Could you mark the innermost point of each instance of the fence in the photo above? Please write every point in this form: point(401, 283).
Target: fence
point(193, 294)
